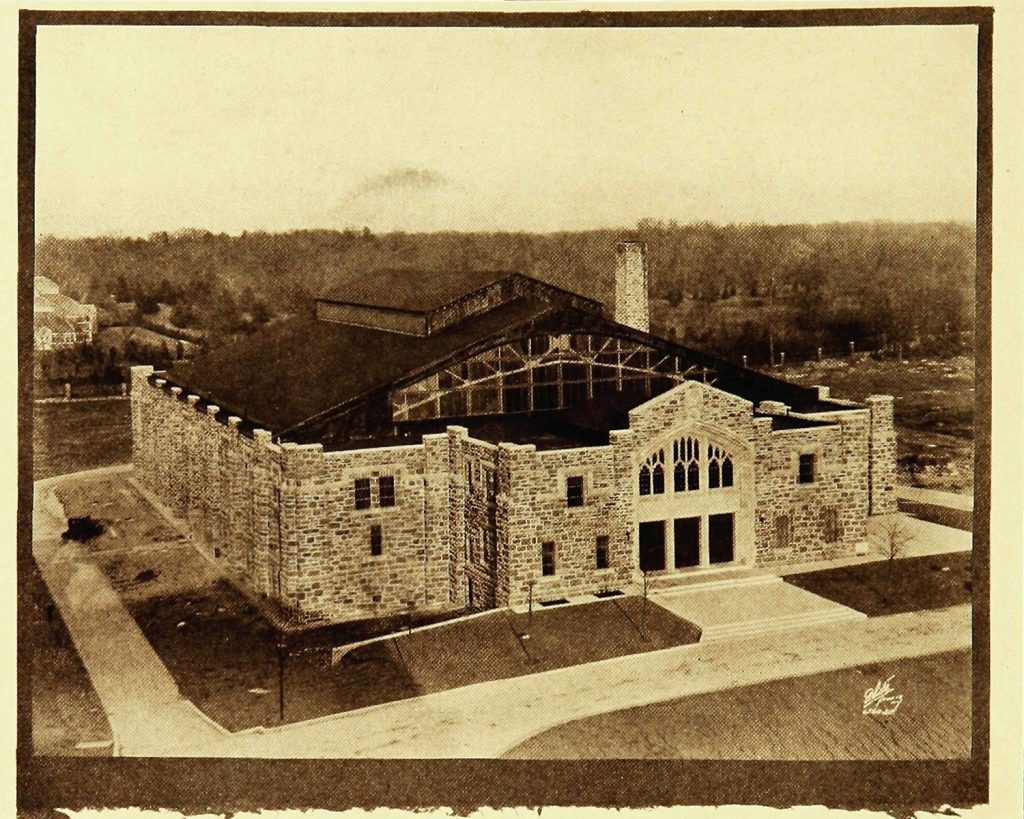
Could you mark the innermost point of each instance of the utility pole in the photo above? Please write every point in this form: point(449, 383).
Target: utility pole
point(643, 611)
point(282, 651)
point(529, 611)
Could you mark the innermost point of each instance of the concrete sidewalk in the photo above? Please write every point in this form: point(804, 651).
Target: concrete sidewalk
point(147, 714)
point(935, 497)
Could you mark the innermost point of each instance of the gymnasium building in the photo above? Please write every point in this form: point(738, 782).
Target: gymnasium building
point(490, 438)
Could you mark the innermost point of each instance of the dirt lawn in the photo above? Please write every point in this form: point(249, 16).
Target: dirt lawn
point(818, 717)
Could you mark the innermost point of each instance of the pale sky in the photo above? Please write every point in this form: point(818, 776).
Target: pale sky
point(142, 129)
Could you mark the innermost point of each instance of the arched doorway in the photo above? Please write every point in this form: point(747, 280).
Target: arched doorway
point(694, 503)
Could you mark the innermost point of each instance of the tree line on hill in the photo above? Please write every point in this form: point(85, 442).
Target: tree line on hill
point(732, 289)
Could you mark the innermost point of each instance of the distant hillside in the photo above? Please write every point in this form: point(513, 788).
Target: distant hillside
point(722, 287)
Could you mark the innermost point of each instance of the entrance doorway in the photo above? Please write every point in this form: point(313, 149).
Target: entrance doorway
point(652, 546)
point(687, 542)
point(720, 538)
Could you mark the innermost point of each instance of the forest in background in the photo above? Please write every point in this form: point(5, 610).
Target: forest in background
point(730, 289)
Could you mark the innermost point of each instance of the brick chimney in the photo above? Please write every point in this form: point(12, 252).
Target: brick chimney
point(631, 305)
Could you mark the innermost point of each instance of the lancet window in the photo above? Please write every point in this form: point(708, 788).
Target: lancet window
point(719, 468)
point(652, 474)
point(686, 459)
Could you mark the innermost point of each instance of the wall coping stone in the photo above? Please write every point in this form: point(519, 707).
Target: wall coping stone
point(341, 453)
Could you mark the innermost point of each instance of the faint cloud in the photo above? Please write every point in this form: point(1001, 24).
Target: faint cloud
point(404, 179)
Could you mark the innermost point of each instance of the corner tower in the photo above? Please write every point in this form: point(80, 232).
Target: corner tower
point(631, 306)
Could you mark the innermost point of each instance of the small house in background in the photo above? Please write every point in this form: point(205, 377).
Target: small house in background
point(443, 440)
point(60, 321)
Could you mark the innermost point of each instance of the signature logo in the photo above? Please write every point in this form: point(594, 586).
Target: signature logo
point(881, 699)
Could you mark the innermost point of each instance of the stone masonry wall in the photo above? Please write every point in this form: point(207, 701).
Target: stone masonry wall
point(536, 511)
point(882, 448)
point(327, 540)
point(479, 510)
point(209, 474)
point(825, 518)
point(282, 518)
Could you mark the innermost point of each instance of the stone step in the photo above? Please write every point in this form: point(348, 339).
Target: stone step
point(718, 582)
point(752, 628)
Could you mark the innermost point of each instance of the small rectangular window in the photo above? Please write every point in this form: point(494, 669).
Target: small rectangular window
point(806, 469)
point(574, 490)
point(490, 483)
point(830, 524)
point(376, 541)
point(362, 493)
point(547, 553)
point(601, 551)
point(386, 485)
point(782, 532)
point(469, 475)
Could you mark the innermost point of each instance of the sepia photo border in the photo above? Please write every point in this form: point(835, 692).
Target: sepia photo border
point(236, 784)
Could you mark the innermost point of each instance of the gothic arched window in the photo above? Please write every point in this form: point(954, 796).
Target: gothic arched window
point(652, 474)
point(719, 468)
point(686, 473)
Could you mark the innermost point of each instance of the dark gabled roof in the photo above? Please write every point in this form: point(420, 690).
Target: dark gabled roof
point(300, 367)
point(301, 371)
point(417, 291)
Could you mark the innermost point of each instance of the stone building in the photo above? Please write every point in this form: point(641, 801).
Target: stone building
point(491, 439)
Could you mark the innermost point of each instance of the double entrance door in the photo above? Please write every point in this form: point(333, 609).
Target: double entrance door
point(677, 543)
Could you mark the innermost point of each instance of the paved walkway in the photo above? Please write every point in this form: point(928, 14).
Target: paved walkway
point(149, 717)
point(935, 497)
point(147, 714)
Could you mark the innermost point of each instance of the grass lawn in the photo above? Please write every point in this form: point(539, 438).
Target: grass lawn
point(817, 717)
point(934, 411)
point(890, 587)
point(77, 435)
point(65, 708)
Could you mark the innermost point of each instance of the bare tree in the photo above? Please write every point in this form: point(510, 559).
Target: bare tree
point(894, 536)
